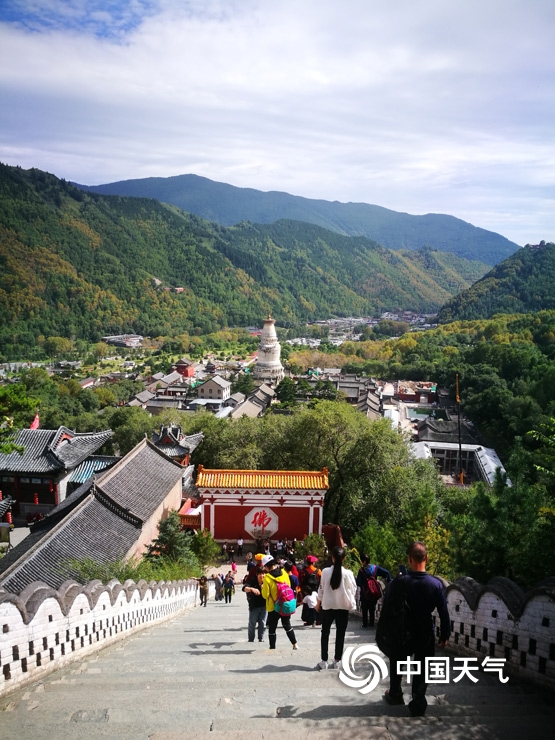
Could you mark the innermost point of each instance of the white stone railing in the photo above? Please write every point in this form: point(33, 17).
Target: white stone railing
point(43, 629)
point(500, 620)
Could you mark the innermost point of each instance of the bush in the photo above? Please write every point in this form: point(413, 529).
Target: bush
point(164, 569)
point(205, 547)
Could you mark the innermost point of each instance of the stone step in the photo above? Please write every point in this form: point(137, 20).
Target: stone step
point(196, 676)
point(162, 726)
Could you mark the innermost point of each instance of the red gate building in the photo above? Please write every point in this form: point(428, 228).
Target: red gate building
point(261, 504)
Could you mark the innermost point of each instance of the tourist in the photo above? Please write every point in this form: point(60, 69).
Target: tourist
point(240, 547)
point(423, 594)
point(274, 575)
point(251, 562)
point(336, 597)
point(203, 589)
point(310, 601)
point(257, 603)
point(229, 587)
point(369, 597)
point(309, 581)
point(219, 584)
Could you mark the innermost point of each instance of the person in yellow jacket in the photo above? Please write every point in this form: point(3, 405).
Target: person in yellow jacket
point(274, 575)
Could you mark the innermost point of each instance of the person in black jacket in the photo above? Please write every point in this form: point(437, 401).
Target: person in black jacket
point(257, 603)
point(423, 593)
point(368, 600)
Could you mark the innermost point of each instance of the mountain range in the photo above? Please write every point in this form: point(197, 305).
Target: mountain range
point(523, 283)
point(81, 265)
point(228, 205)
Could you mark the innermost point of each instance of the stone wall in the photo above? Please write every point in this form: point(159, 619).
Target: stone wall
point(42, 629)
point(500, 620)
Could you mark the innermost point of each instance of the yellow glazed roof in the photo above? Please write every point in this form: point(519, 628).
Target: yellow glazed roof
point(289, 480)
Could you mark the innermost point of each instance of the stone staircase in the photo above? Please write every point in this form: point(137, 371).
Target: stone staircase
point(196, 676)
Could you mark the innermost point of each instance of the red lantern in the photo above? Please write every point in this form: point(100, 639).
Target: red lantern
point(0, 495)
point(35, 499)
point(9, 517)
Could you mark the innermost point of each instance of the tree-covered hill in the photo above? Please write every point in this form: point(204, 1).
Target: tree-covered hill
point(522, 283)
point(81, 265)
point(228, 205)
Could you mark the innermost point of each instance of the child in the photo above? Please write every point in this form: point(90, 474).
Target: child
point(310, 600)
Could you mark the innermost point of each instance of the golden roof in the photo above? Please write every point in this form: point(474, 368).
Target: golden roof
point(289, 480)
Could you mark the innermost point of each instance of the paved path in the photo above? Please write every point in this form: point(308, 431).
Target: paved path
point(197, 677)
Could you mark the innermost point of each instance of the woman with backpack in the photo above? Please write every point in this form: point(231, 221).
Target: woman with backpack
point(276, 588)
point(370, 590)
point(336, 598)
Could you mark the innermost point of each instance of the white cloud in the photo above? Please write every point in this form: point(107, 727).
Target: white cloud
point(420, 107)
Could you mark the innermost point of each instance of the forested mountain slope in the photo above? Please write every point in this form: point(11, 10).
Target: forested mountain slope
point(523, 283)
point(228, 205)
point(81, 265)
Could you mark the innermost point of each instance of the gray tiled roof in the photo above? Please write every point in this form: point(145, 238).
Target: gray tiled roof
point(172, 378)
point(144, 396)
point(222, 382)
point(247, 408)
point(175, 448)
point(101, 520)
point(91, 530)
point(141, 480)
point(46, 451)
point(40, 530)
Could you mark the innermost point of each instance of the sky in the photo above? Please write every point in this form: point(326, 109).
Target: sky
point(421, 106)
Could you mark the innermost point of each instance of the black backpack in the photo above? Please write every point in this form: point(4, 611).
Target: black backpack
point(395, 630)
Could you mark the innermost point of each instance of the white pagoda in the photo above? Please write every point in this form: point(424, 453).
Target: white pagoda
point(268, 367)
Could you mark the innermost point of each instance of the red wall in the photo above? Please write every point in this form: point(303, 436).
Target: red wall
point(230, 521)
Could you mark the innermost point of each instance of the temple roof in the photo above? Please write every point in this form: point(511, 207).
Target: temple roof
point(136, 482)
point(51, 450)
point(102, 520)
point(290, 480)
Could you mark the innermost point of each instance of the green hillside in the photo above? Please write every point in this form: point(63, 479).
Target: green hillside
point(228, 205)
point(81, 265)
point(523, 283)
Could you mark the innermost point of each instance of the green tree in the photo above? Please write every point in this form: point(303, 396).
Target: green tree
point(172, 542)
point(286, 390)
point(243, 383)
point(205, 547)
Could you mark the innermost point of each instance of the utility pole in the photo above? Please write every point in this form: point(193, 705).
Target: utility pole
point(458, 399)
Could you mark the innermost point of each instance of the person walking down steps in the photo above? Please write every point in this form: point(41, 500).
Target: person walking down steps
point(274, 576)
point(336, 597)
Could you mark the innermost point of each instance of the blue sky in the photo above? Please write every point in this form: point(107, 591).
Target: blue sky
point(433, 106)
